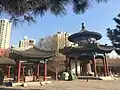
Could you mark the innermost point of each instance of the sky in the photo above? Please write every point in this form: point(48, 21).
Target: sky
point(97, 18)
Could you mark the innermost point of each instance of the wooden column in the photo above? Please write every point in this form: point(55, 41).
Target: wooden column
point(104, 66)
point(88, 67)
point(18, 63)
point(15, 73)
point(80, 67)
point(23, 71)
point(94, 66)
point(38, 70)
point(45, 70)
point(8, 73)
point(106, 63)
point(84, 70)
point(76, 66)
point(69, 64)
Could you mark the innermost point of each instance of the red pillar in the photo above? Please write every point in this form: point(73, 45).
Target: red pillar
point(94, 66)
point(23, 71)
point(104, 65)
point(45, 70)
point(18, 63)
point(8, 73)
point(38, 70)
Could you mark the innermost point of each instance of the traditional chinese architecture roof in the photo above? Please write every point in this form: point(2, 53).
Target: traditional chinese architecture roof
point(31, 53)
point(6, 61)
point(84, 34)
point(95, 48)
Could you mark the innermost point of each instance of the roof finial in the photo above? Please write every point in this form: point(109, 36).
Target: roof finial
point(83, 26)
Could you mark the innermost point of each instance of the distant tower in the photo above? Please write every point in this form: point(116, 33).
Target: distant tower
point(26, 42)
point(5, 31)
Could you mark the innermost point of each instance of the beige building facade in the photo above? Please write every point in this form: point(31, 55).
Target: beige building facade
point(61, 39)
point(26, 42)
point(5, 32)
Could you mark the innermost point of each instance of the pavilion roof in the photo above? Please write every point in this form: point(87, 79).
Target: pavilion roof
point(31, 53)
point(6, 61)
point(96, 48)
point(84, 34)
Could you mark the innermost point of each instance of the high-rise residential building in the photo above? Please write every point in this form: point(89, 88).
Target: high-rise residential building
point(61, 39)
point(5, 31)
point(26, 42)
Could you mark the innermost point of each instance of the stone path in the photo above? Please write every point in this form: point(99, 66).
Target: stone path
point(73, 85)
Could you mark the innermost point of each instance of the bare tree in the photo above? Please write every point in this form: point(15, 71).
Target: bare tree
point(48, 43)
point(56, 67)
point(57, 64)
point(7, 52)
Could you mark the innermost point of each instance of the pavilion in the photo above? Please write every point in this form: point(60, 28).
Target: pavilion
point(81, 59)
point(31, 56)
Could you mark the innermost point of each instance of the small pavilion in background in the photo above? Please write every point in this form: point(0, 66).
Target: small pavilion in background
point(81, 59)
point(33, 57)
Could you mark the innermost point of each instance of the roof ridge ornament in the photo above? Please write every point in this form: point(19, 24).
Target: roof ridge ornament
point(83, 26)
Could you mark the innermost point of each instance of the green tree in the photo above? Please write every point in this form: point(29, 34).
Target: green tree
point(22, 10)
point(114, 34)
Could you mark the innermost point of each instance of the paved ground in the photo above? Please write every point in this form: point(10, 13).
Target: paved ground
point(73, 85)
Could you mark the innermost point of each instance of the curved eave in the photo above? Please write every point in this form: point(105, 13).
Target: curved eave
point(104, 48)
point(95, 48)
point(85, 33)
point(30, 55)
point(74, 50)
point(7, 61)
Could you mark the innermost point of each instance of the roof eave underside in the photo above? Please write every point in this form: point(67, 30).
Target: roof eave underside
point(95, 35)
point(87, 50)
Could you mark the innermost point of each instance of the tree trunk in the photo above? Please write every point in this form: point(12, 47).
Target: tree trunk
point(56, 76)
